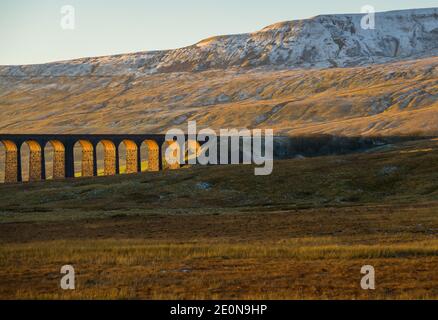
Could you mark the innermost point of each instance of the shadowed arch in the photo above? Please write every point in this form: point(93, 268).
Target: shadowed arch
point(33, 163)
point(151, 155)
point(10, 161)
point(58, 159)
point(86, 159)
point(171, 155)
point(130, 156)
point(109, 157)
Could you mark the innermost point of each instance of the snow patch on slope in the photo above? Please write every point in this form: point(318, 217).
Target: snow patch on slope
point(320, 42)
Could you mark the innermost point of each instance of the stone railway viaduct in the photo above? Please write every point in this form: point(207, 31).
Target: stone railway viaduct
point(63, 146)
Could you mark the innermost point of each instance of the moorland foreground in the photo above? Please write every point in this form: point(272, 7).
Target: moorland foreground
point(222, 233)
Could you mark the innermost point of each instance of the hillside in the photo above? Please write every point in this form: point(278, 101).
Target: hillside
point(320, 75)
point(398, 98)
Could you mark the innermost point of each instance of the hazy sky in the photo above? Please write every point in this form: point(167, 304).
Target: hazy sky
point(30, 30)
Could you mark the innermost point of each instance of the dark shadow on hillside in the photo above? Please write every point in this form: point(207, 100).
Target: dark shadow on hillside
point(324, 145)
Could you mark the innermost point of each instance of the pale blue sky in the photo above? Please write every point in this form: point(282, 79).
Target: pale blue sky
point(30, 30)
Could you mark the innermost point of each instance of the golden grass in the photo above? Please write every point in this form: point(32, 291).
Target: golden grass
point(302, 233)
point(131, 252)
point(108, 269)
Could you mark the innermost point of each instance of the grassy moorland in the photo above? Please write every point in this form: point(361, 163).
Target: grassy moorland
point(220, 232)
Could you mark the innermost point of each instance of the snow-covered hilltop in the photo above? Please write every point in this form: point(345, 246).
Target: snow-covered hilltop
point(320, 42)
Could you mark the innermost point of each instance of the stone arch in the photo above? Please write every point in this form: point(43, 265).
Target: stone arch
point(84, 148)
point(173, 150)
point(109, 157)
point(54, 156)
point(130, 159)
point(192, 150)
point(31, 162)
point(10, 161)
point(150, 151)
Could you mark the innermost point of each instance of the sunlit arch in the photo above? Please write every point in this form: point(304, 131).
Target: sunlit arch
point(30, 153)
point(150, 156)
point(84, 158)
point(128, 158)
point(54, 156)
point(109, 157)
point(9, 161)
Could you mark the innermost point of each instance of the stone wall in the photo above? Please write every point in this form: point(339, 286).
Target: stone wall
point(153, 161)
point(109, 157)
point(87, 163)
point(35, 168)
point(58, 164)
point(87, 168)
point(35, 165)
point(109, 161)
point(131, 161)
point(11, 162)
point(131, 156)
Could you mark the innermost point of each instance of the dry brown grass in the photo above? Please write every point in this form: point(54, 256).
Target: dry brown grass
point(302, 233)
point(296, 270)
